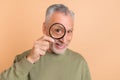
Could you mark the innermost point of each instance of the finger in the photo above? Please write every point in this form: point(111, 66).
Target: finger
point(41, 43)
point(44, 48)
point(38, 52)
point(42, 52)
point(47, 38)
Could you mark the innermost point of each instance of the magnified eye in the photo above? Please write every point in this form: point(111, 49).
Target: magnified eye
point(58, 30)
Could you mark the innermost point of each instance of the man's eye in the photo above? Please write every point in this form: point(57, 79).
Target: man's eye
point(70, 31)
point(57, 30)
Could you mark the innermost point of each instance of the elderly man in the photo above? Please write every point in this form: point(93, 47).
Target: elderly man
point(50, 59)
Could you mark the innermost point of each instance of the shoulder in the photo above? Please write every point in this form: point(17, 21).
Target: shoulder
point(78, 58)
point(76, 55)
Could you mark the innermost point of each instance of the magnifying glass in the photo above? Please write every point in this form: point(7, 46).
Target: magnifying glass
point(57, 31)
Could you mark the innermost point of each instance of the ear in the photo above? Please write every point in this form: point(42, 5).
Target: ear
point(44, 28)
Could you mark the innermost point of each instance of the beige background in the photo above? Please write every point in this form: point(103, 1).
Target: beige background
point(96, 35)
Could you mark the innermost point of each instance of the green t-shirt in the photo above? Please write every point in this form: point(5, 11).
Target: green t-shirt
point(51, 66)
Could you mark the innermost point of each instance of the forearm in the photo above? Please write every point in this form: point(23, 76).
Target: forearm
point(18, 71)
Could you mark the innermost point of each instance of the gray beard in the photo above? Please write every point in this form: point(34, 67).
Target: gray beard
point(56, 51)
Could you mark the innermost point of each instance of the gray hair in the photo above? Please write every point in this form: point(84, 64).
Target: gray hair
point(58, 8)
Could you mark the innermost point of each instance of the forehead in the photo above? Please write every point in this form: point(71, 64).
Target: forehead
point(64, 19)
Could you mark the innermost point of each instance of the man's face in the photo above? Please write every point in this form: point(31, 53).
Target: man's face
point(60, 45)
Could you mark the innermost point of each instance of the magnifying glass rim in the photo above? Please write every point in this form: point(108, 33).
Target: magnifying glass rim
point(52, 26)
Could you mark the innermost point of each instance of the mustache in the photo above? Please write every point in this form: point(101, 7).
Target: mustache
point(61, 42)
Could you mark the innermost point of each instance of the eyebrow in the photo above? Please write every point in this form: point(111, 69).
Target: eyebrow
point(70, 29)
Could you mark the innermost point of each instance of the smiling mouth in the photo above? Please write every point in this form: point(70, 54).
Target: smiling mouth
point(59, 45)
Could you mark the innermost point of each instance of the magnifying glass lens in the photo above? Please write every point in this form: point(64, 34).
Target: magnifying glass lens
point(57, 31)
